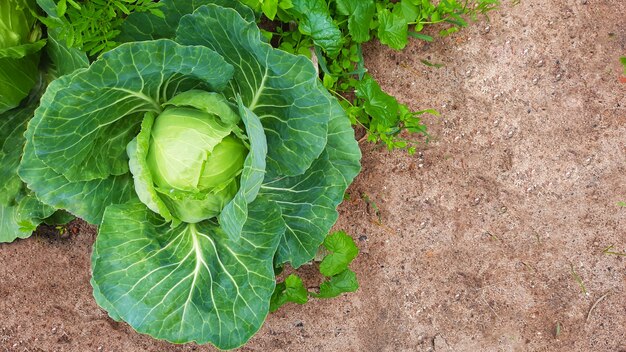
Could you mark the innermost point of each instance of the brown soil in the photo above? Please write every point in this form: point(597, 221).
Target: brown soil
point(481, 235)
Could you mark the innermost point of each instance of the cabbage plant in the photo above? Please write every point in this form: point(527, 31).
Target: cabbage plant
point(20, 43)
point(208, 159)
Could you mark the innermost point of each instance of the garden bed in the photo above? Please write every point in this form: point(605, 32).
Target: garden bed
point(491, 237)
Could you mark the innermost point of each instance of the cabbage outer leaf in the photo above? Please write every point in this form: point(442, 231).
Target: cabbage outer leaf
point(188, 283)
point(309, 202)
point(85, 199)
point(20, 211)
point(18, 73)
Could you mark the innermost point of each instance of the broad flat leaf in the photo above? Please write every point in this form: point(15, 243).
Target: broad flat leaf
point(60, 217)
point(343, 252)
point(49, 7)
point(235, 213)
point(18, 73)
point(97, 295)
point(278, 87)
point(12, 126)
point(314, 20)
point(360, 14)
point(409, 10)
point(309, 201)
point(290, 290)
point(392, 29)
point(21, 219)
point(382, 107)
point(269, 8)
point(20, 212)
point(145, 26)
point(188, 283)
point(19, 51)
point(343, 282)
point(87, 118)
point(85, 199)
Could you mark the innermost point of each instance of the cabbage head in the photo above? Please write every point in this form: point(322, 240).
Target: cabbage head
point(207, 157)
point(20, 43)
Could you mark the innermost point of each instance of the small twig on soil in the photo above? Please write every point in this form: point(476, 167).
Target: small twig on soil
point(557, 330)
point(595, 304)
point(529, 267)
point(608, 250)
point(489, 305)
point(578, 280)
point(362, 139)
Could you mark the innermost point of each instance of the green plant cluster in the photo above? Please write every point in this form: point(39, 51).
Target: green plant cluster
point(340, 279)
point(93, 25)
point(332, 32)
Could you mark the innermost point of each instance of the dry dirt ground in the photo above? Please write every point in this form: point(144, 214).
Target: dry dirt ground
point(482, 242)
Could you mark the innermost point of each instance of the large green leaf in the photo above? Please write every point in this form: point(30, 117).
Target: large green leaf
point(87, 118)
point(309, 201)
point(18, 73)
point(392, 29)
point(343, 251)
point(360, 14)
point(19, 51)
point(343, 282)
point(20, 212)
point(278, 87)
point(20, 219)
point(188, 283)
point(146, 26)
point(314, 19)
point(85, 199)
point(12, 126)
point(290, 290)
point(235, 213)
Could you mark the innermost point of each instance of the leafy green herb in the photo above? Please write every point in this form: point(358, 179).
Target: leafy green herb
point(290, 290)
point(334, 266)
point(93, 25)
point(343, 282)
point(343, 249)
point(337, 28)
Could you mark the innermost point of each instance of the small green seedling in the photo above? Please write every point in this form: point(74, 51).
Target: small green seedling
point(334, 267)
